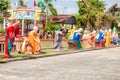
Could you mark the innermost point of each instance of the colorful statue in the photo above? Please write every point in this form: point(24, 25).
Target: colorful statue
point(58, 40)
point(71, 31)
point(85, 37)
point(91, 40)
point(74, 35)
point(115, 36)
point(9, 38)
point(86, 33)
point(34, 40)
point(77, 37)
point(100, 39)
point(108, 38)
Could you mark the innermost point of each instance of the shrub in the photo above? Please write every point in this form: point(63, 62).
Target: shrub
point(2, 30)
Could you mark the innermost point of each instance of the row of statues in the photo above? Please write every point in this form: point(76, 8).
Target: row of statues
point(86, 39)
point(82, 38)
point(31, 43)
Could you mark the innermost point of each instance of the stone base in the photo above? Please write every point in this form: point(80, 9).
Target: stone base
point(72, 45)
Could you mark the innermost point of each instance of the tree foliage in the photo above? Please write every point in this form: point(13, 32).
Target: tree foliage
point(90, 13)
point(4, 4)
point(51, 8)
point(52, 26)
point(21, 3)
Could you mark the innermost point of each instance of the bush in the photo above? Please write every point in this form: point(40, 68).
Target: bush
point(2, 30)
point(1, 19)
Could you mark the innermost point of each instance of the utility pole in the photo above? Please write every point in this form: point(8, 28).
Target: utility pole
point(64, 10)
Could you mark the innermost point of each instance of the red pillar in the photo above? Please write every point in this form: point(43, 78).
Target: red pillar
point(26, 25)
point(43, 34)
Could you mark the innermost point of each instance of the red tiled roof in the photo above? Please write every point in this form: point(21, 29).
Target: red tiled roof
point(60, 18)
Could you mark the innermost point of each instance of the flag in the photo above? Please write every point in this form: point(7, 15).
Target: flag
point(35, 4)
point(40, 4)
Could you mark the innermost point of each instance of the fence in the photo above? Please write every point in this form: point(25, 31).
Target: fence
point(45, 44)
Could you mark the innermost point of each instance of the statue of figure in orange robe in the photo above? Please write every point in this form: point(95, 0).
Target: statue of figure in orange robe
point(34, 40)
point(91, 40)
point(108, 38)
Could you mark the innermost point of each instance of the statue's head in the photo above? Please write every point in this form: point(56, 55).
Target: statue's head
point(8, 24)
point(35, 28)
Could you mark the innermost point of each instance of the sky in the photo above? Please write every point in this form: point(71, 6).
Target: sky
point(69, 6)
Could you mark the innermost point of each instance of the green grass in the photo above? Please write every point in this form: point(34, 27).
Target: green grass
point(47, 48)
point(44, 51)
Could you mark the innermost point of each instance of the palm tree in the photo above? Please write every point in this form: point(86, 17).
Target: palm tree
point(49, 7)
point(21, 3)
point(90, 12)
point(108, 18)
point(4, 4)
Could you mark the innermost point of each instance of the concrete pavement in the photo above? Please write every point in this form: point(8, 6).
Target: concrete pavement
point(94, 65)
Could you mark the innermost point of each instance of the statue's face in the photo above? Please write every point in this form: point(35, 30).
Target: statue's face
point(36, 30)
point(110, 30)
point(9, 24)
point(94, 32)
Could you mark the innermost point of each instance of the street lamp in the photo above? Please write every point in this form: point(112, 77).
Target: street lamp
point(64, 10)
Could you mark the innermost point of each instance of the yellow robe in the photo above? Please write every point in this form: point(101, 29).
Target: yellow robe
point(71, 31)
point(32, 36)
point(108, 40)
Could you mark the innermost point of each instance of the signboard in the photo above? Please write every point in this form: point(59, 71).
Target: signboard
point(37, 14)
point(23, 15)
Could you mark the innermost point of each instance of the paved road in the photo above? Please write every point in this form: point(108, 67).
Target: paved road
point(94, 65)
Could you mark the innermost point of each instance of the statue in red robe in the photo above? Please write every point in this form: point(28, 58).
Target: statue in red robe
point(9, 39)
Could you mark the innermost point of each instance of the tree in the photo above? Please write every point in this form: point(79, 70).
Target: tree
point(50, 7)
point(4, 4)
point(90, 13)
point(21, 3)
point(53, 11)
point(52, 26)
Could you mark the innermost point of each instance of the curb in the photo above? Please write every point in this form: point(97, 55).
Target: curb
point(50, 55)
